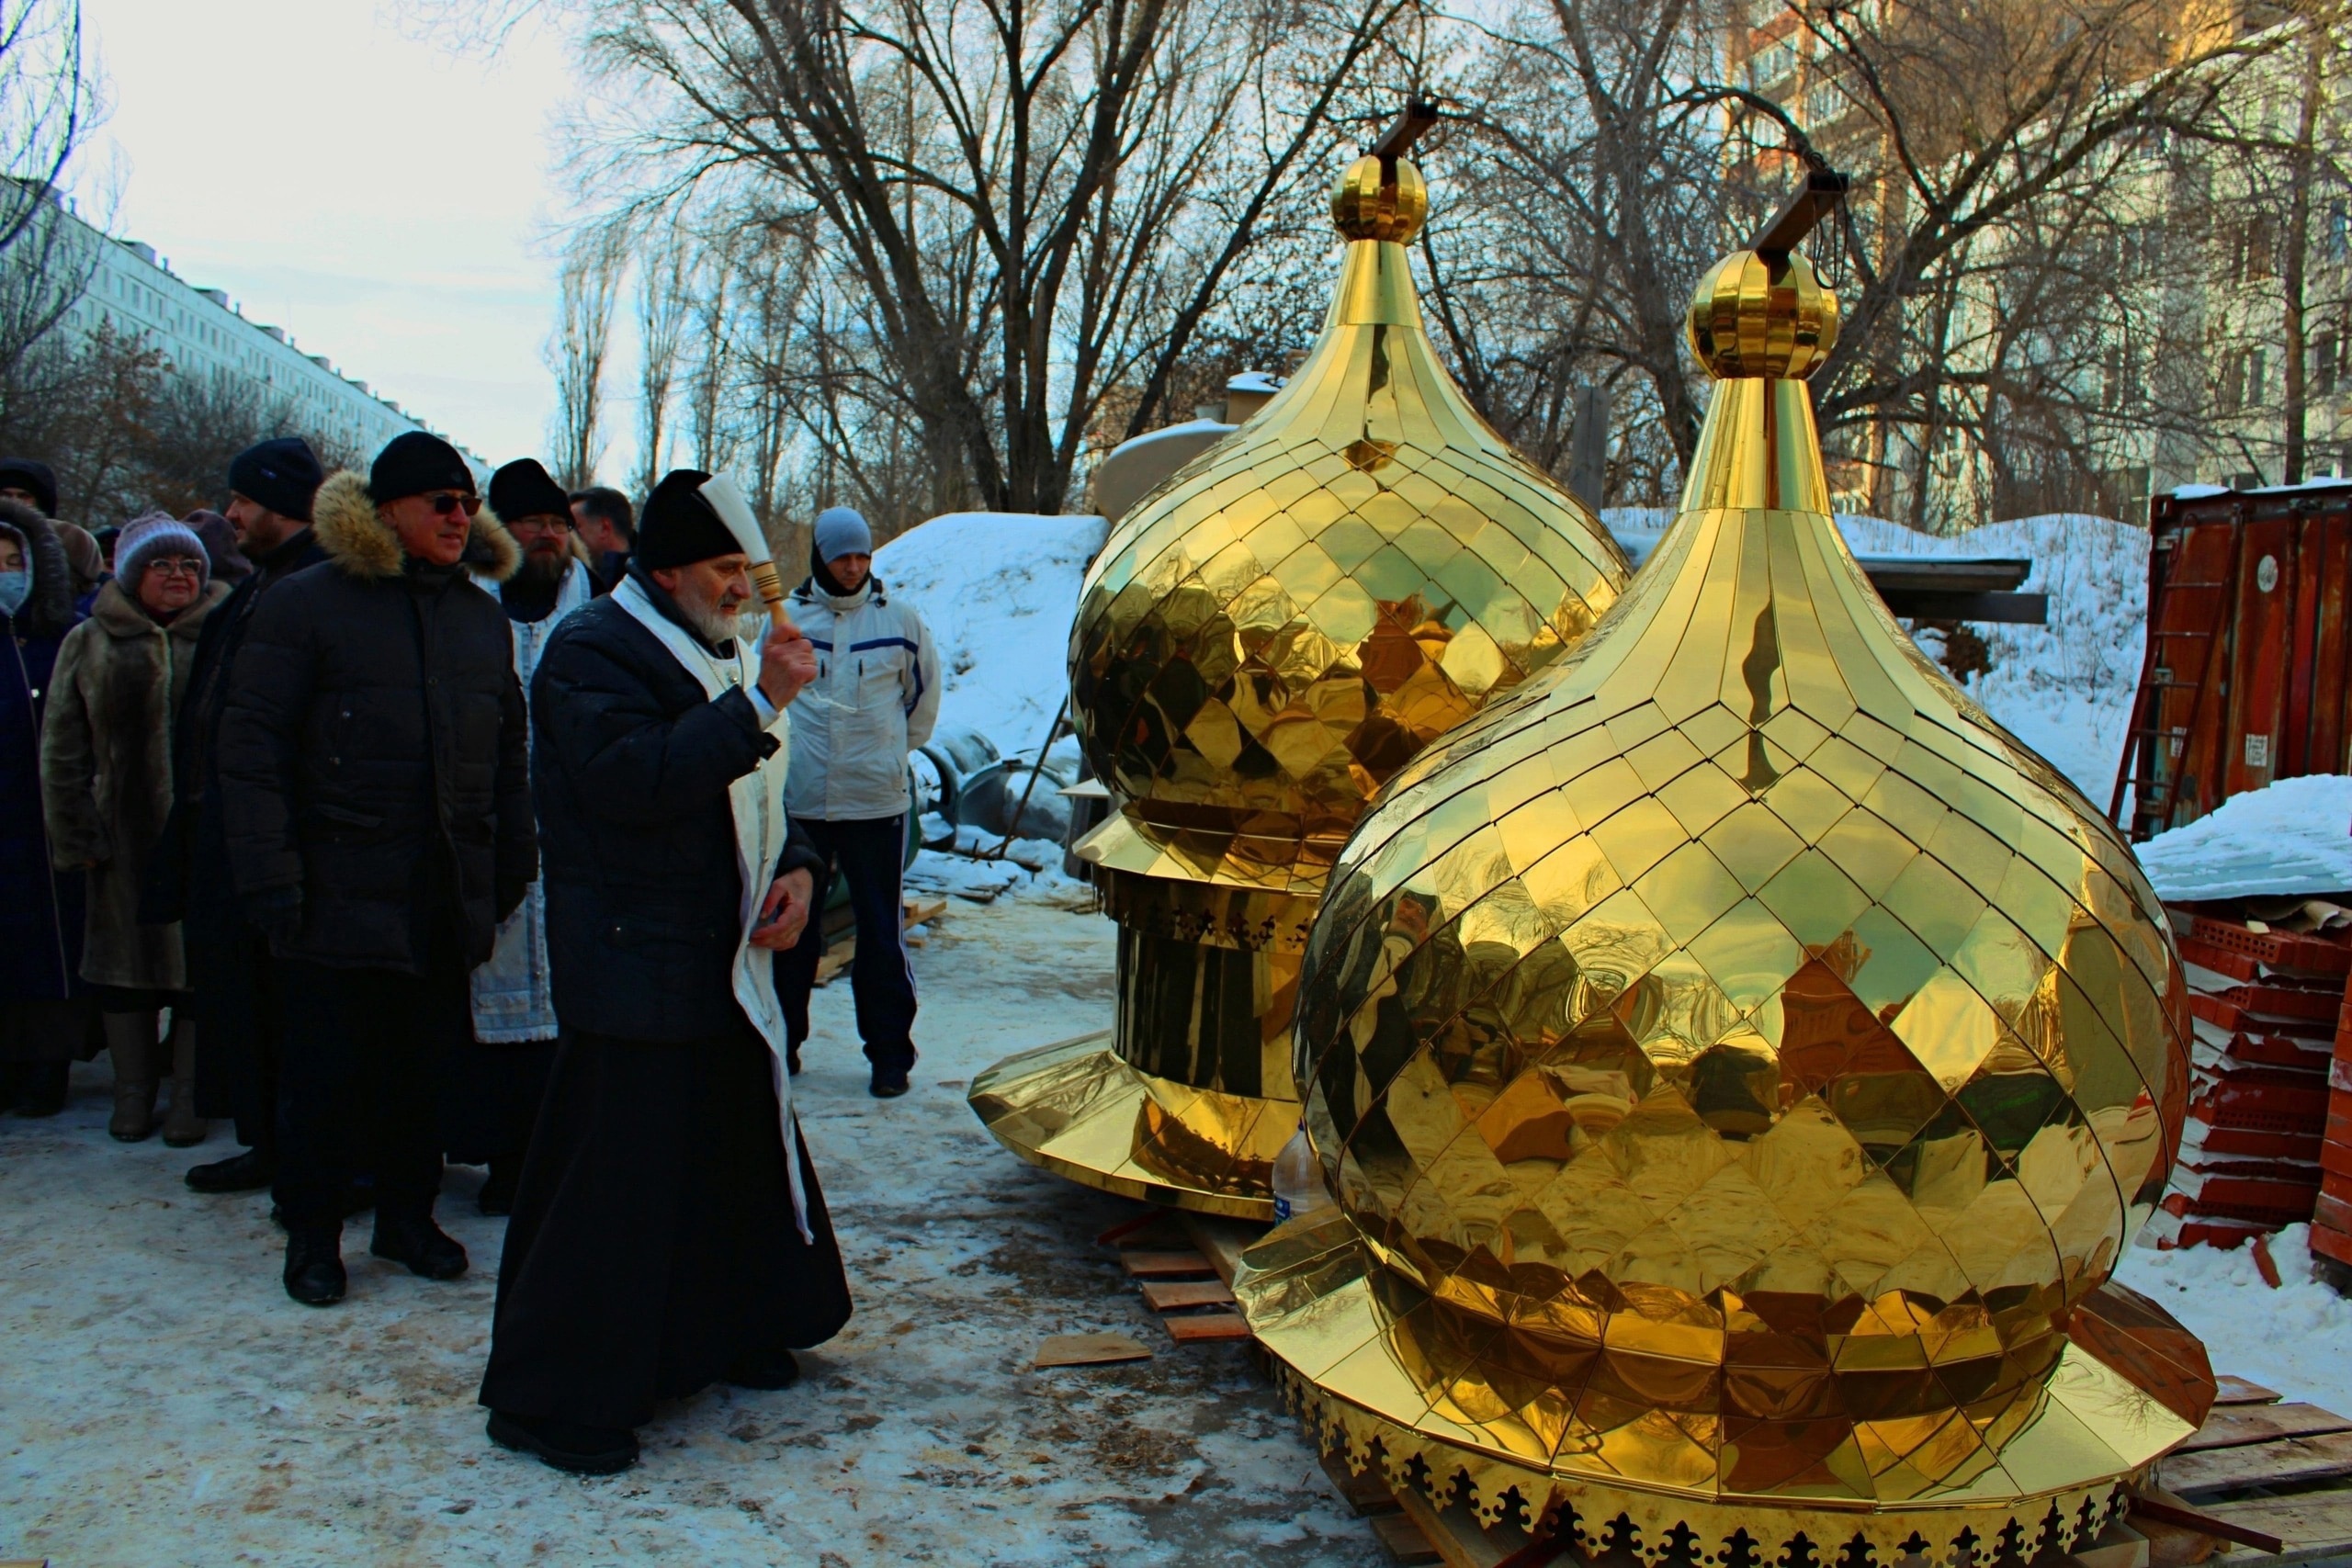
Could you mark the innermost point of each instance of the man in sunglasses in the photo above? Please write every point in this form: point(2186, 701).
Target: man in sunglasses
point(375, 789)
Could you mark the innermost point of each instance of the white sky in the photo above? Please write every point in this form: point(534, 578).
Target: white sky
point(383, 199)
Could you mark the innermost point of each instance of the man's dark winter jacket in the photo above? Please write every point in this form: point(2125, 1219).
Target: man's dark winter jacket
point(189, 879)
point(630, 771)
point(373, 752)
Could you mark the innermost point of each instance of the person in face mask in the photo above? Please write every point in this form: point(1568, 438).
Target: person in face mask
point(45, 1008)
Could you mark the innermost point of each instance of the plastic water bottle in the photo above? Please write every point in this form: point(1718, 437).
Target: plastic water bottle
point(1298, 1178)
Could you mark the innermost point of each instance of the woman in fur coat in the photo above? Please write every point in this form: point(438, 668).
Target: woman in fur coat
point(44, 1007)
point(107, 780)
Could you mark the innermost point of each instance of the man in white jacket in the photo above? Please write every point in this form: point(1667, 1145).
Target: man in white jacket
point(874, 700)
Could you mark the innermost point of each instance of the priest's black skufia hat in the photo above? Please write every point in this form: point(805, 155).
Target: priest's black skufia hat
point(678, 527)
point(413, 463)
point(522, 489)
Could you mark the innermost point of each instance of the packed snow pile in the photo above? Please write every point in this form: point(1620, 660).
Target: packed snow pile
point(2064, 689)
point(999, 590)
point(2290, 838)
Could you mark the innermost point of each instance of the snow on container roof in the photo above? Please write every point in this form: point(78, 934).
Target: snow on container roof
point(2291, 839)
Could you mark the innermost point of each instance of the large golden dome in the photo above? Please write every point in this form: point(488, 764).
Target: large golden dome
point(1737, 1062)
point(1263, 642)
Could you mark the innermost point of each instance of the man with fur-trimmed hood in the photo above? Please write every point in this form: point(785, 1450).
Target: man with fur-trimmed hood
point(374, 783)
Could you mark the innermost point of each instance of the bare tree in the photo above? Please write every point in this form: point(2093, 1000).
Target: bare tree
point(590, 289)
point(1023, 207)
point(662, 306)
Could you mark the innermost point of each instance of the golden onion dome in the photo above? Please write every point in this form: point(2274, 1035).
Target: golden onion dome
point(1270, 634)
point(1737, 1062)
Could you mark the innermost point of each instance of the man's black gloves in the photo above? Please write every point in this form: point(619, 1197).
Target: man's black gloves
point(275, 912)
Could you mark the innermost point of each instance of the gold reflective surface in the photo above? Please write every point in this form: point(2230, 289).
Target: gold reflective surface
point(1263, 642)
point(1736, 1060)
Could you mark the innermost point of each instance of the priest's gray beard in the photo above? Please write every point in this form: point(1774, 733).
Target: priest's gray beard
point(713, 624)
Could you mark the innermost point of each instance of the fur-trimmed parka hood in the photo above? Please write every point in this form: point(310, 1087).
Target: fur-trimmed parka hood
point(343, 520)
point(49, 610)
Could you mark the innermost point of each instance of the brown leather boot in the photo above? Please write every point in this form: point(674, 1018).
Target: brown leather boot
point(131, 1042)
point(182, 1128)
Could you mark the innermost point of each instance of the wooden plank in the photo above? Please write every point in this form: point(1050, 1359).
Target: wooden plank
point(1144, 1264)
point(1090, 1350)
point(2309, 1524)
point(1404, 1540)
point(2238, 1391)
point(1365, 1494)
point(2118, 1546)
point(1222, 1241)
point(2231, 1425)
point(2170, 1544)
point(1462, 1542)
point(1203, 1327)
point(1160, 1295)
point(2287, 1463)
point(918, 911)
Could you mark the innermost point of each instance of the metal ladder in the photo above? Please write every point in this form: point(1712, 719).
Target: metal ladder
point(2155, 799)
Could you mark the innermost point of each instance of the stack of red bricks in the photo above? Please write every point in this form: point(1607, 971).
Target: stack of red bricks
point(2332, 1219)
point(2267, 1009)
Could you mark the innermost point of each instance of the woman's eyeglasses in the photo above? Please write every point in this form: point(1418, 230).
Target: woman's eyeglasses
point(176, 568)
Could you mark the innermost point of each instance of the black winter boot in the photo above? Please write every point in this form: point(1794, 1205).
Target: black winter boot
point(775, 1370)
point(566, 1445)
point(415, 1240)
point(496, 1197)
point(42, 1091)
point(247, 1172)
point(314, 1265)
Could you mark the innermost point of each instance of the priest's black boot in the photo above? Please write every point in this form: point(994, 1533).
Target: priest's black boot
point(773, 1372)
point(314, 1265)
point(566, 1445)
point(247, 1172)
point(415, 1240)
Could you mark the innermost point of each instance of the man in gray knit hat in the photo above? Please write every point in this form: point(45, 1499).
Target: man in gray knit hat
point(877, 697)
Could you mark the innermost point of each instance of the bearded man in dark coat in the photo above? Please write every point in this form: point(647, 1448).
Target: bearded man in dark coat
point(668, 1231)
point(376, 792)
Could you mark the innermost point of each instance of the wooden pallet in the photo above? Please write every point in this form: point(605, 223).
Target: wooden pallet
point(1182, 1283)
point(2274, 1475)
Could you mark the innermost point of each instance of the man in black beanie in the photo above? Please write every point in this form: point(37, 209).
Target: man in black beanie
point(235, 989)
point(375, 785)
point(668, 1232)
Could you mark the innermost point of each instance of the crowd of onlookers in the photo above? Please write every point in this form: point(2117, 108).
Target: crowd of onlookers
point(122, 929)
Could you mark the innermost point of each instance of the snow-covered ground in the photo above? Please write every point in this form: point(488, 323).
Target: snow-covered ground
point(163, 1403)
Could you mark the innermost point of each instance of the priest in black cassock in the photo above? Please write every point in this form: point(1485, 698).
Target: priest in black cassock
point(668, 1230)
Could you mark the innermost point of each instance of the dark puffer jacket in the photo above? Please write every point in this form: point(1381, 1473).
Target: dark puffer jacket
point(40, 906)
point(372, 752)
point(630, 772)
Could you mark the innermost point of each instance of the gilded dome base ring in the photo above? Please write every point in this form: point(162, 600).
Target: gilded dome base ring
point(1306, 1292)
point(1076, 1108)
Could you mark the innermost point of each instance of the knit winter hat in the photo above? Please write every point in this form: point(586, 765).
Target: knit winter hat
point(282, 475)
point(156, 535)
point(413, 463)
point(219, 537)
point(678, 527)
point(29, 474)
point(522, 489)
point(842, 532)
